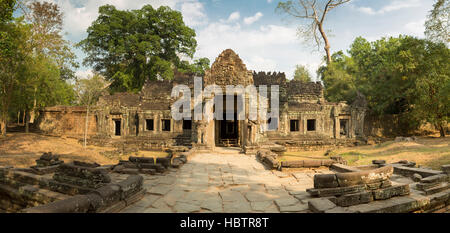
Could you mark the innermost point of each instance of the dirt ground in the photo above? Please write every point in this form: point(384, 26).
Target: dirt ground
point(426, 151)
point(21, 150)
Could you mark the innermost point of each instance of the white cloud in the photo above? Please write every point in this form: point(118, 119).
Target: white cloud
point(193, 13)
point(265, 48)
point(78, 15)
point(416, 28)
point(252, 19)
point(269, 1)
point(392, 6)
point(234, 16)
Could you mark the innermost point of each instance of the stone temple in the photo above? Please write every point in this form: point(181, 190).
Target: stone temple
point(198, 176)
point(306, 119)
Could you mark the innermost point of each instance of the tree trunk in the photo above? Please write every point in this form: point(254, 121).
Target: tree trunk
point(33, 110)
point(23, 118)
point(18, 117)
point(3, 127)
point(27, 121)
point(327, 43)
point(86, 126)
point(442, 131)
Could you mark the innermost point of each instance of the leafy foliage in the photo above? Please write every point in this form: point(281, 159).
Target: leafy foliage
point(128, 47)
point(402, 75)
point(437, 26)
point(302, 74)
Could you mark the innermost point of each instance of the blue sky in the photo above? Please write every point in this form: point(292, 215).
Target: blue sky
point(264, 39)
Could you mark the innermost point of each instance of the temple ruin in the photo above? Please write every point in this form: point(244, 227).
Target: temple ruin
point(306, 119)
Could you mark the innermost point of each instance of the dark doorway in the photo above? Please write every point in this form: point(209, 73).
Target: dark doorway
point(343, 127)
point(149, 124)
point(187, 124)
point(311, 125)
point(227, 130)
point(136, 120)
point(165, 125)
point(117, 124)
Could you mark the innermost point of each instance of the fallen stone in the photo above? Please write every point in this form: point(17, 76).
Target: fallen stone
point(354, 199)
point(378, 162)
point(364, 177)
point(320, 205)
point(325, 192)
point(441, 187)
point(386, 193)
point(416, 177)
point(446, 168)
point(435, 179)
point(325, 181)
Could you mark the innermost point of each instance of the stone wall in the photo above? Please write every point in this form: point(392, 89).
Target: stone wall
point(66, 121)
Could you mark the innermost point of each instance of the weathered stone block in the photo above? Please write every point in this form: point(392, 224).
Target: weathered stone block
point(378, 162)
point(364, 177)
point(354, 199)
point(292, 164)
point(325, 181)
point(320, 205)
point(386, 193)
point(424, 186)
point(141, 159)
point(76, 204)
point(325, 192)
point(416, 177)
point(435, 179)
point(410, 171)
point(85, 164)
point(156, 167)
point(441, 187)
point(131, 185)
point(312, 163)
point(446, 168)
point(73, 170)
point(110, 194)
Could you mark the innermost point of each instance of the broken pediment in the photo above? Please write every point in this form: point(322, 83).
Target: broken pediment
point(228, 69)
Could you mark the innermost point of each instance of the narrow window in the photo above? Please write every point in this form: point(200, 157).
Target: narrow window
point(294, 125)
point(149, 124)
point(165, 125)
point(117, 124)
point(311, 125)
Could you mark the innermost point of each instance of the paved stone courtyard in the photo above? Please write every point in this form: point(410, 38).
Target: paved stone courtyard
point(224, 182)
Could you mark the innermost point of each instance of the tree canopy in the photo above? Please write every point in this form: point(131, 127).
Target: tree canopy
point(437, 26)
point(398, 75)
point(128, 47)
point(301, 73)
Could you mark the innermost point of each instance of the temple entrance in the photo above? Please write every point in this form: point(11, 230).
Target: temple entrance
point(227, 131)
point(117, 127)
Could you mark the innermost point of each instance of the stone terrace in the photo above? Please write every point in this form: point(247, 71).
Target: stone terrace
point(225, 181)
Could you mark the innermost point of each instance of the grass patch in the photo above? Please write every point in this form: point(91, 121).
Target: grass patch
point(429, 152)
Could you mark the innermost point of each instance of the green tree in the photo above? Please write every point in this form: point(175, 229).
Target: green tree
point(13, 57)
point(302, 74)
point(6, 10)
point(433, 86)
point(437, 26)
point(88, 92)
point(339, 78)
point(128, 47)
point(402, 75)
